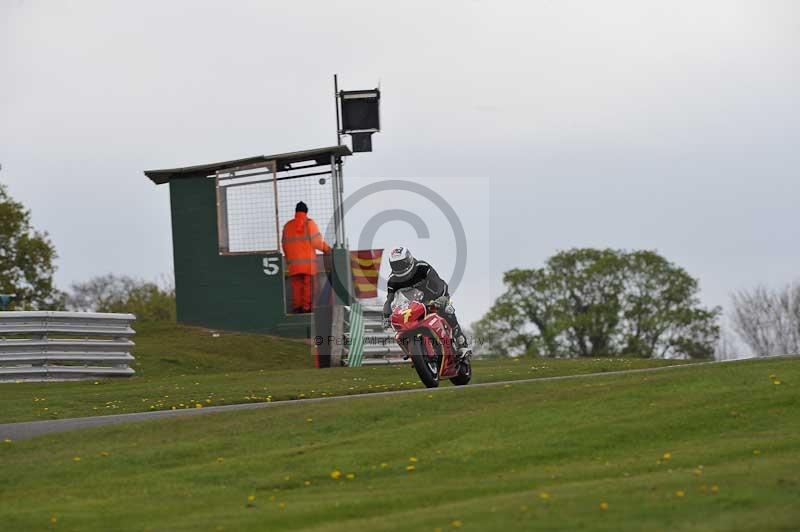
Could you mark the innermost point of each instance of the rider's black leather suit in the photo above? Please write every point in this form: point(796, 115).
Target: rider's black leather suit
point(425, 279)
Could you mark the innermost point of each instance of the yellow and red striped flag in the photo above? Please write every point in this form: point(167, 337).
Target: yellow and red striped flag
point(365, 266)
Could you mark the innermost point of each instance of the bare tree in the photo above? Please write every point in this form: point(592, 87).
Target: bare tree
point(729, 346)
point(768, 321)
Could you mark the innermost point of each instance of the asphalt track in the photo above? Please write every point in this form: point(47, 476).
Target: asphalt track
point(32, 429)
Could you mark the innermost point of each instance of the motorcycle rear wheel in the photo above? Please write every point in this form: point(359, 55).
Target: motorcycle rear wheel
point(427, 367)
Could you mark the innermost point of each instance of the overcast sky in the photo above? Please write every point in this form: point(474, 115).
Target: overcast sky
point(632, 124)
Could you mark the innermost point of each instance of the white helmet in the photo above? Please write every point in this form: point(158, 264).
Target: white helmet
point(402, 263)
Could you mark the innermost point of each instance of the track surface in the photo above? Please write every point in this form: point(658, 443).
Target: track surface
point(32, 429)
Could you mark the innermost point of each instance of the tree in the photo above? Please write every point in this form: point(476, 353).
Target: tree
point(113, 293)
point(768, 321)
point(27, 259)
point(662, 313)
point(502, 329)
point(584, 291)
point(589, 302)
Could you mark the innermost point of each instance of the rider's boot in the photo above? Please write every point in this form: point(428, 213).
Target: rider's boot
point(462, 349)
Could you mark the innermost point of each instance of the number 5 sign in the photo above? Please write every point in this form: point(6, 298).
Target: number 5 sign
point(272, 265)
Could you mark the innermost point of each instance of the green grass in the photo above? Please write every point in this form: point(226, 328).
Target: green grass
point(181, 367)
point(164, 348)
point(529, 456)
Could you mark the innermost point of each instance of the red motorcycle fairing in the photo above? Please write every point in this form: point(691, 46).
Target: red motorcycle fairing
point(408, 317)
point(414, 323)
point(443, 335)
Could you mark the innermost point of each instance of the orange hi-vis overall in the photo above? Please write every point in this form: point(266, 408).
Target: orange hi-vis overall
point(301, 238)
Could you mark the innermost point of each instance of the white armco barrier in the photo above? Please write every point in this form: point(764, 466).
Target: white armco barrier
point(64, 345)
point(379, 345)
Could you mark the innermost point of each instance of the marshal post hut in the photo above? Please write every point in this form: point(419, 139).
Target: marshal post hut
point(227, 219)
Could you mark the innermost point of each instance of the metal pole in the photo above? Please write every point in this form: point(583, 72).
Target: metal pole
point(341, 200)
point(336, 104)
point(337, 207)
point(337, 175)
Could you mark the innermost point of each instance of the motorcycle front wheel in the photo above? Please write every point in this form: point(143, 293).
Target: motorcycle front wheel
point(427, 366)
point(464, 374)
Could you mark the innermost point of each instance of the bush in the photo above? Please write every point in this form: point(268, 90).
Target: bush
point(112, 293)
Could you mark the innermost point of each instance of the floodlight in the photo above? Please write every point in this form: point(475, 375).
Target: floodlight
point(360, 110)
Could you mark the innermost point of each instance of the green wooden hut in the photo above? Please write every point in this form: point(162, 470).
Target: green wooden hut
point(226, 223)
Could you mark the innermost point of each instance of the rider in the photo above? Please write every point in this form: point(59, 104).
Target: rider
point(410, 272)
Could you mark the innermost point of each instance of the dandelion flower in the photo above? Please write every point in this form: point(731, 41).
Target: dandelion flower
point(714, 489)
point(54, 519)
point(413, 459)
point(281, 505)
point(251, 498)
point(220, 459)
point(7, 440)
point(756, 452)
point(350, 476)
point(105, 453)
point(667, 456)
point(544, 495)
point(776, 381)
point(604, 506)
point(307, 483)
point(384, 465)
point(76, 459)
point(680, 493)
point(336, 474)
point(456, 524)
point(410, 468)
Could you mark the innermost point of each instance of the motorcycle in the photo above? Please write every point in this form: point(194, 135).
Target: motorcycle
point(427, 339)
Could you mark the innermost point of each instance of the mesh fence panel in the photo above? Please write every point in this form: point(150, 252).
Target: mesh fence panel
point(251, 218)
point(247, 209)
point(314, 191)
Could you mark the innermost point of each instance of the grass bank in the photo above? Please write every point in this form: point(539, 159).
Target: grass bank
point(705, 448)
point(181, 367)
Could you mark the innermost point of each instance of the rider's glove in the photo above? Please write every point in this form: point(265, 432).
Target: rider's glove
point(387, 324)
point(440, 303)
